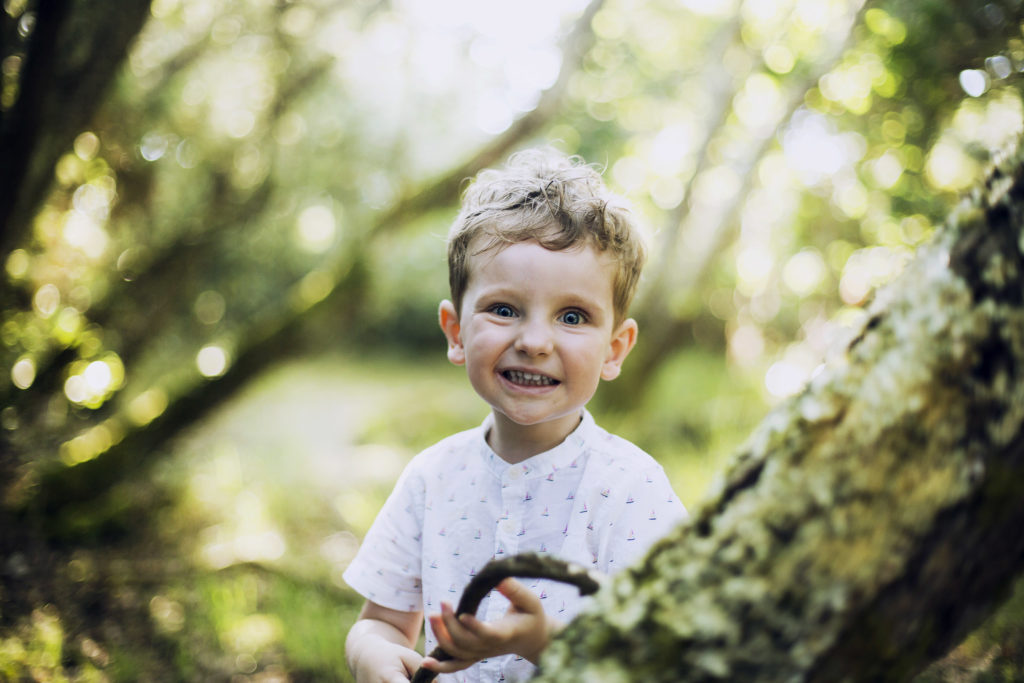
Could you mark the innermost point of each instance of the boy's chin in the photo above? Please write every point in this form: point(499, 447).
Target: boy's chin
point(537, 420)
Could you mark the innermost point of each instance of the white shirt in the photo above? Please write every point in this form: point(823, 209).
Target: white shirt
point(595, 499)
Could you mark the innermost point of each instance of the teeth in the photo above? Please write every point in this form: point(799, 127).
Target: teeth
point(529, 378)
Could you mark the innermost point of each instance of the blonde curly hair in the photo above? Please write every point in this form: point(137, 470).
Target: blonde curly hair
point(557, 200)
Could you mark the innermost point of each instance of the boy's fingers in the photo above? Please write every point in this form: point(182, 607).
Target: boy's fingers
point(447, 666)
point(411, 660)
point(521, 597)
point(452, 637)
point(472, 624)
point(462, 627)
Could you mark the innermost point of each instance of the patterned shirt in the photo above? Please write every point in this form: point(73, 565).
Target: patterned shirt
point(595, 499)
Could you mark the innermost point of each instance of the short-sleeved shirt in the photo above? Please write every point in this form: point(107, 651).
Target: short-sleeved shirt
point(595, 499)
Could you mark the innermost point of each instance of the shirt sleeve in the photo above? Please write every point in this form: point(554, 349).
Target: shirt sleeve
point(650, 510)
point(387, 568)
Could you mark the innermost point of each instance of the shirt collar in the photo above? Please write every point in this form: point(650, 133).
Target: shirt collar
point(569, 453)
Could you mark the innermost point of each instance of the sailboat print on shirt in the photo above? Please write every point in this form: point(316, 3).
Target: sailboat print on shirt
point(545, 513)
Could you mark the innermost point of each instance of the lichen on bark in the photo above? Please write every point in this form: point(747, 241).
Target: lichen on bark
point(870, 521)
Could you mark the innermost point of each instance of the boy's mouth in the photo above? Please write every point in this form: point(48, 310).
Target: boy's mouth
point(528, 379)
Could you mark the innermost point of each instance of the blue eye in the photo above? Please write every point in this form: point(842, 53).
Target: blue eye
point(502, 311)
point(573, 318)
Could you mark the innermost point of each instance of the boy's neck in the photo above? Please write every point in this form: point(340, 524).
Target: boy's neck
point(515, 443)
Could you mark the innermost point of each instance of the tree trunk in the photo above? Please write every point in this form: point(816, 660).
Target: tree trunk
point(871, 520)
point(71, 56)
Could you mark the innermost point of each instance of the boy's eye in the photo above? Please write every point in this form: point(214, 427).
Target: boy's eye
point(502, 310)
point(573, 318)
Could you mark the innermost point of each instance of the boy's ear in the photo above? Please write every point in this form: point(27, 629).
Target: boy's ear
point(623, 341)
point(448, 317)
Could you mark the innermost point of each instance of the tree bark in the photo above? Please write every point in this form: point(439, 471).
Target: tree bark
point(871, 520)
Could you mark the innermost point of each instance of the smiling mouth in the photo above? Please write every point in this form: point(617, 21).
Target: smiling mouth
point(528, 379)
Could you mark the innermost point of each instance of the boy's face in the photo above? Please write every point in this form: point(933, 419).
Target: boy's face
point(537, 331)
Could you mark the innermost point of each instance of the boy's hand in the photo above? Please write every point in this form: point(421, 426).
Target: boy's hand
point(385, 662)
point(378, 646)
point(525, 630)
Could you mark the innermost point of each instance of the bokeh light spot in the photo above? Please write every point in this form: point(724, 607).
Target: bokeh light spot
point(779, 59)
point(23, 373)
point(153, 146)
point(753, 269)
point(17, 264)
point(212, 361)
point(746, 344)
point(886, 170)
point(147, 406)
point(999, 66)
point(83, 232)
point(98, 376)
point(46, 300)
point(210, 307)
point(87, 146)
point(974, 82)
point(316, 228)
point(947, 167)
point(804, 272)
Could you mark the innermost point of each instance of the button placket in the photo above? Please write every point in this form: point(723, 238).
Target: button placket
point(507, 528)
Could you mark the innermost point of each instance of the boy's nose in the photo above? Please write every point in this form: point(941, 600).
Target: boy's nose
point(534, 339)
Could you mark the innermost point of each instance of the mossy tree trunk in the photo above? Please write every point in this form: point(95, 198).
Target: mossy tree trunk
point(871, 521)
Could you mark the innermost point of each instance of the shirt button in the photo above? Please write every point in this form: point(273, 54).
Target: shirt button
point(515, 473)
point(508, 527)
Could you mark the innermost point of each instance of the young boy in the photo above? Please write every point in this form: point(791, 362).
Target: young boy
point(543, 264)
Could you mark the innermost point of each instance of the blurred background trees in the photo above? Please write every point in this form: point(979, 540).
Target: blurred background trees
point(223, 246)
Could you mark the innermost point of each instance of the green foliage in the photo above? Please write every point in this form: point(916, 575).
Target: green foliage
point(241, 196)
